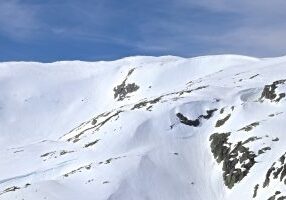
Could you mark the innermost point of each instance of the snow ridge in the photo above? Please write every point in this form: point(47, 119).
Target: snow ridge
point(142, 127)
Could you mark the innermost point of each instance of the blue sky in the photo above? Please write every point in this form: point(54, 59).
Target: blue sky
point(50, 30)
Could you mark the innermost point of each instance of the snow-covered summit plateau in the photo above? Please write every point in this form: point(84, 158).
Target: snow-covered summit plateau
point(144, 128)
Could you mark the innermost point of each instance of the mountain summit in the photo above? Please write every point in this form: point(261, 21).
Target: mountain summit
point(144, 128)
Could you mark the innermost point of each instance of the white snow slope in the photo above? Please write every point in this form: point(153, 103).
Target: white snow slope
point(144, 128)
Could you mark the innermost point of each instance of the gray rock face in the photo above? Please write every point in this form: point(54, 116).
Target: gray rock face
point(221, 122)
point(269, 91)
point(197, 121)
point(121, 91)
point(232, 156)
point(277, 171)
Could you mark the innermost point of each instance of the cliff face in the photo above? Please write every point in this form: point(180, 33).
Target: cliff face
point(144, 128)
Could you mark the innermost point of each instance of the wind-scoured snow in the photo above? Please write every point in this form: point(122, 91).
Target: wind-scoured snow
point(204, 128)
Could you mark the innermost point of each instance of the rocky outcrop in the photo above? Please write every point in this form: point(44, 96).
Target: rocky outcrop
point(122, 90)
point(269, 92)
point(195, 122)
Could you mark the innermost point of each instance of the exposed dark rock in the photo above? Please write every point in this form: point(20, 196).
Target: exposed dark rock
point(195, 122)
point(189, 91)
point(145, 103)
point(99, 125)
point(277, 192)
point(269, 91)
point(255, 190)
point(267, 178)
point(18, 151)
point(149, 108)
point(108, 116)
point(252, 139)
point(10, 189)
point(91, 143)
point(272, 115)
point(63, 152)
point(27, 185)
point(281, 96)
point(221, 111)
point(108, 160)
point(121, 91)
point(221, 122)
point(274, 196)
point(254, 76)
point(249, 127)
point(283, 173)
point(209, 114)
point(219, 145)
point(94, 121)
point(156, 100)
point(277, 170)
point(282, 159)
point(86, 167)
point(275, 139)
point(130, 72)
point(187, 121)
point(263, 150)
point(47, 154)
point(231, 155)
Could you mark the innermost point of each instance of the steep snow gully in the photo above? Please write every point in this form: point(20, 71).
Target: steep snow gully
point(144, 128)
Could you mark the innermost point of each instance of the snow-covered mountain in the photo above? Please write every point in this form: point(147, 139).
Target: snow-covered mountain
point(144, 128)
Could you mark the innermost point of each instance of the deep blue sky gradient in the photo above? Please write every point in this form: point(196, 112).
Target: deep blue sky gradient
point(51, 30)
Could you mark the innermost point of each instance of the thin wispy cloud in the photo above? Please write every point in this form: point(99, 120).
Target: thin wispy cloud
point(17, 20)
point(70, 29)
point(244, 27)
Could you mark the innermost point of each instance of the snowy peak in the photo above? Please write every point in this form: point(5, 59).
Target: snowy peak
point(144, 128)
